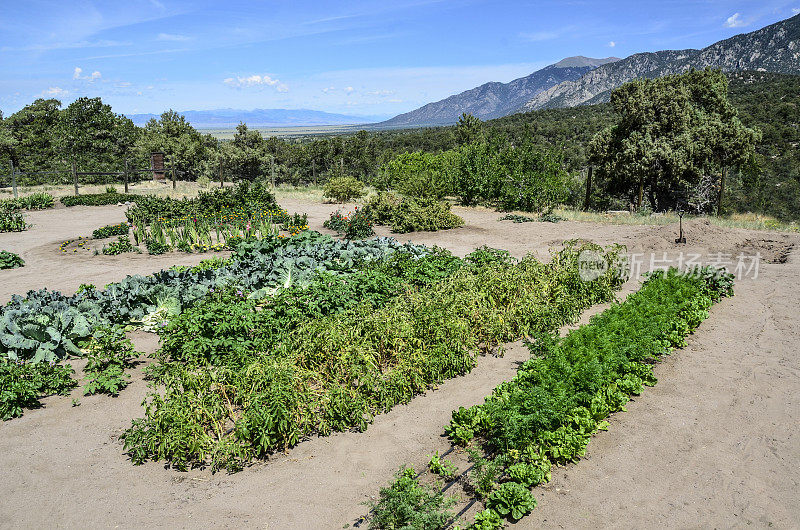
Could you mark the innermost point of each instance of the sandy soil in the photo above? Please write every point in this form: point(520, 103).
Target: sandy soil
point(713, 444)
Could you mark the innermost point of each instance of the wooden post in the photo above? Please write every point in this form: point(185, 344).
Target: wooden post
point(314, 171)
point(641, 195)
point(14, 179)
point(221, 182)
point(174, 176)
point(272, 170)
point(75, 176)
point(588, 199)
point(126, 175)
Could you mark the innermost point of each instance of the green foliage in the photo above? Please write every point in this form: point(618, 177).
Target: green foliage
point(672, 131)
point(93, 199)
point(109, 354)
point(343, 189)
point(330, 352)
point(512, 500)
point(487, 519)
point(9, 260)
point(111, 230)
point(355, 225)
point(23, 384)
point(417, 215)
point(12, 221)
point(442, 467)
point(42, 328)
point(120, 246)
point(381, 207)
point(155, 247)
point(407, 504)
point(242, 199)
point(34, 201)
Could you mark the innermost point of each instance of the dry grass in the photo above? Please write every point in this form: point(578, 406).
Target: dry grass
point(749, 221)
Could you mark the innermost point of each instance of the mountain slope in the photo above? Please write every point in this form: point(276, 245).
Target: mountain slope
point(262, 118)
point(492, 100)
point(774, 48)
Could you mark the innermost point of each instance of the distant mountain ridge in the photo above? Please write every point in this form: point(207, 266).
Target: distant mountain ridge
point(494, 99)
point(262, 118)
point(774, 48)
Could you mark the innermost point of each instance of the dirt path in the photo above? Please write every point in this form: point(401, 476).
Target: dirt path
point(713, 444)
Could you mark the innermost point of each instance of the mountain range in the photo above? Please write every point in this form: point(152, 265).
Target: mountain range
point(227, 118)
point(579, 80)
point(494, 99)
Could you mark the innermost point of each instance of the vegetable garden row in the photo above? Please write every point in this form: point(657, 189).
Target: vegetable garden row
point(559, 398)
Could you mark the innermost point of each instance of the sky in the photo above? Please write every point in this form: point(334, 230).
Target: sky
point(366, 58)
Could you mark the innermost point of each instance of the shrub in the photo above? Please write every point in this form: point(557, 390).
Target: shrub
point(381, 207)
point(9, 260)
point(343, 189)
point(417, 215)
point(424, 184)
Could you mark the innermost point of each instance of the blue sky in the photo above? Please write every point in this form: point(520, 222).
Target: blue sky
point(355, 57)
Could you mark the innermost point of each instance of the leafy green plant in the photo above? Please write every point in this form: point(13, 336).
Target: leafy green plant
point(23, 384)
point(156, 247)
point(405, 503)
point(108, 355)
point(111, 230)
point(120, 246)
point(355, 225)
point(12, 221)
point(343, 189)
point(92, 199)
point(442, 467)
point(511, 500)
point(487, 519)
point(9, 260)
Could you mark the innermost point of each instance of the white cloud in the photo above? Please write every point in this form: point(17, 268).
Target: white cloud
point(254, 81)
point(328, 89)
point(735, 21)
point(55, 91)
point(611, 44)
point(77, 74)
point(380, 93)
point(349, 89)
point(796, 10)
point(539, 36)
point(173, 37)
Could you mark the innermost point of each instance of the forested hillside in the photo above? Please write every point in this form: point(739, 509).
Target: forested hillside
point(45, 137)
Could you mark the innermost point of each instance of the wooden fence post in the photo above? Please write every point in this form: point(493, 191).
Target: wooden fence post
point(126, 175)
point(174, 181)
point(14, 179)
point(75, 176)
point(221, 181)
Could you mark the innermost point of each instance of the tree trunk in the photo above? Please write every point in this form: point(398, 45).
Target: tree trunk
point(640, 196)
point(721, 190)
point(587, 200)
